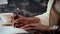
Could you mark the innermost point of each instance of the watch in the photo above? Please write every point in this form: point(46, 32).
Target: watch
point(54, 27)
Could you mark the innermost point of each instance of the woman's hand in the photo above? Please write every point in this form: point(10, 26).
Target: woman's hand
point(25, 21)
point(17, 17)
point(31, 23)
point(36, 26)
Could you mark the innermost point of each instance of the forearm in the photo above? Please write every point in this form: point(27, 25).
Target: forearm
point(42, 28)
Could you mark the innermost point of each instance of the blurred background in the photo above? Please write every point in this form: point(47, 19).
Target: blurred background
point(26, 8)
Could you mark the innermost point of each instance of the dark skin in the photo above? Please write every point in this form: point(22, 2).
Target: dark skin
point(31, 23)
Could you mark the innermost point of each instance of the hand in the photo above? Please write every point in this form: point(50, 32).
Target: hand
point(15, 17)
point(23, 21)
point(36, 26)
point(31, 23)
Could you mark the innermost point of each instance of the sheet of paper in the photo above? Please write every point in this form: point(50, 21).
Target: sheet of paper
point(11, 30)
point(3, 2)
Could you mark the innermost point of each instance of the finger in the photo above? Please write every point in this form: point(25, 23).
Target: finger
point(28, 25)
point(17, 21)
point(12, 18)
point(29, 28)
point(25, 26)
point(32, 25)
point(18, 25)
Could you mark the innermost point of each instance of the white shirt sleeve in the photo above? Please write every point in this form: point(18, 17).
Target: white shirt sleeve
point(44, 18)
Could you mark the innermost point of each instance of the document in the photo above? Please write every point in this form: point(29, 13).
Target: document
point(11, 30)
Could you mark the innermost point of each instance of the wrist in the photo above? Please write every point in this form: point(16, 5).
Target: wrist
point(34, 20)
